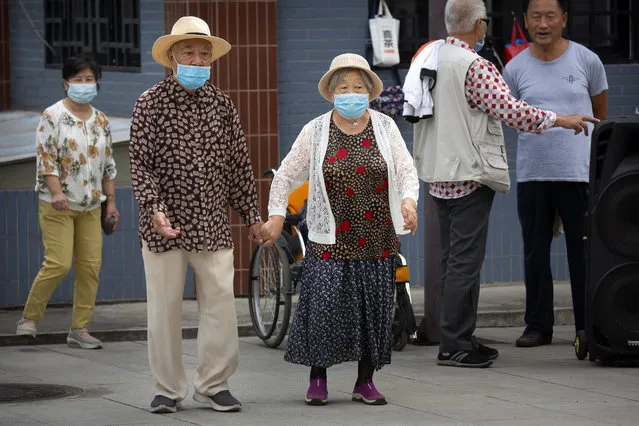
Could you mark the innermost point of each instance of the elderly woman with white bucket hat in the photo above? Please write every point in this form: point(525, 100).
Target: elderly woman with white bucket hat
point(189, 162)
point(363, 191)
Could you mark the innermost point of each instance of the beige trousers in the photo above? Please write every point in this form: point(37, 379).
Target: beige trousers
point(217, 339)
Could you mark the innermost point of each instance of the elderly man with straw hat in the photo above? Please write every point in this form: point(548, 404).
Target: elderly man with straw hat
point(189, 161)
point(363, 191)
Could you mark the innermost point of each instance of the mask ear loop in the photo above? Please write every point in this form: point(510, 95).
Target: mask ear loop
point(177, 64)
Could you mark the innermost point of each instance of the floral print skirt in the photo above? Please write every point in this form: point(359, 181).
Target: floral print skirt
point(345, 312)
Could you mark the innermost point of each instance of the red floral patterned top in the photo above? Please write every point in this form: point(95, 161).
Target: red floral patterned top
point(356, 179)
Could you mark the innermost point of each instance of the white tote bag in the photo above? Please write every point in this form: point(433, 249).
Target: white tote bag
point(384, 37)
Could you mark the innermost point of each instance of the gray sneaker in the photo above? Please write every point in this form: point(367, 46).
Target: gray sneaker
point(80, 338)
point(24, 329)
point(221, 401)
point(162, 404)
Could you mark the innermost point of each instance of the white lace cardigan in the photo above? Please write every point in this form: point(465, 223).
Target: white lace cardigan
point(305, 161)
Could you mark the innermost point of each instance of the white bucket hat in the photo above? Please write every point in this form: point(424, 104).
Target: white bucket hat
point(349, 60)
point(188, 27)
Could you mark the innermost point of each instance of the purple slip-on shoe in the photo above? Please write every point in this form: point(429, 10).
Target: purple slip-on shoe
point(317, 393)
point(368, 394)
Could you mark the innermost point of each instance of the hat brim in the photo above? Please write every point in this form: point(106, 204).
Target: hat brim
point(323, 85)
point(220, 47)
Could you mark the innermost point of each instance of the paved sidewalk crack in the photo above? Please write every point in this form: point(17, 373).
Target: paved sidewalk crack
point(147, 411)
point(542, 407)
point(143, 373)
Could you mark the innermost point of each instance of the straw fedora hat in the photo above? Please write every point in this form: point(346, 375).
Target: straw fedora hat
point(349, 60)
point(188, 27)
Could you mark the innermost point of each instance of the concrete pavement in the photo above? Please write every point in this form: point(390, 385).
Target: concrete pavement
point(525, 387)
point(500, 305)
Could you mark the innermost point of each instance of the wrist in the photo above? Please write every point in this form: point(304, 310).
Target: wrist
point(409, 202)
point(276, 218)
point(155, 208)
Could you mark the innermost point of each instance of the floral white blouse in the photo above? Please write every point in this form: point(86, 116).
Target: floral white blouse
point(79, 152)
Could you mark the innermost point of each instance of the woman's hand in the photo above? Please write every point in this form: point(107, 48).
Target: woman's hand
point(409, 212)
point(60, 201)
point(271, 230)
point(112, 212)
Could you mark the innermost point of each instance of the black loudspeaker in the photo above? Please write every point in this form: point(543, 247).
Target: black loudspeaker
point(612, 244)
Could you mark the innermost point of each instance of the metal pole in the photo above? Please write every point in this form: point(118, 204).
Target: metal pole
point(432, 245)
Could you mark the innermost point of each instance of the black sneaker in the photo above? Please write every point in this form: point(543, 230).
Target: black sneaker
point(487, 351)
point(532, 339)
point(221, 401)
point(163, 404)
point(469, 359)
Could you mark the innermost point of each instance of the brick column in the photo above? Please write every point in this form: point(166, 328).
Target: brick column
point(249, 75)
point(5, 64)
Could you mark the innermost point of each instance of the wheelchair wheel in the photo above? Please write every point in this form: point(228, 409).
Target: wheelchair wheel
point(400, 340)
point(269, 294)
point(581, 345)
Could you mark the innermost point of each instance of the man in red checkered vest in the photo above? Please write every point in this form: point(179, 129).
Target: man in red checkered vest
point(460, 152)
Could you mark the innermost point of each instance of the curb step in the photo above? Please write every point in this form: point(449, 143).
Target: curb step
point(563, 316)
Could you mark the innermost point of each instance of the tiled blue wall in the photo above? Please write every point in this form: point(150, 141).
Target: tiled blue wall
point(21, 253)
point(310, 34)
point(34, 87)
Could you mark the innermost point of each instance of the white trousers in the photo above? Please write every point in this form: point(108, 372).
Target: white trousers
point(217, 339)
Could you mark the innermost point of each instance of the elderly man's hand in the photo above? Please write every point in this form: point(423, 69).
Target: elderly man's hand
point(576, 122)
point(271, 230)
point(162, 226)
point(254, 232)
point(409, 212)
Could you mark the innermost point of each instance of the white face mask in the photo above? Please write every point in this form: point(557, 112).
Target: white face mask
point(82, 93)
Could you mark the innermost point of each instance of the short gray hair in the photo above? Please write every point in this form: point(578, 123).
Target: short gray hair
point(461, 15)
point(338, 76)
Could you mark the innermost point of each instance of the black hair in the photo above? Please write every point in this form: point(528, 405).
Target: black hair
point(76, 64)
point(563, 4)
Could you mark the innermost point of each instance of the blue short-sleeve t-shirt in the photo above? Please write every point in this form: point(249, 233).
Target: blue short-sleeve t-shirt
point(565, 87)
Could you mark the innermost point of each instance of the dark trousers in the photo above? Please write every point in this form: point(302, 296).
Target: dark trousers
point(537, 203)
point(463, 231)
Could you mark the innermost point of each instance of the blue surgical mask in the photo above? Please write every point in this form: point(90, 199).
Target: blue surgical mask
point(351, 105)
point(480, 44)
point(82, 93)
point(192, 77)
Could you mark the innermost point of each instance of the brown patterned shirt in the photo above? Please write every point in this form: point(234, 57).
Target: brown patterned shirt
point(190, 160)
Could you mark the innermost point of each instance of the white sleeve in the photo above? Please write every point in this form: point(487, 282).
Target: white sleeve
point(405, 171)
point(293, 172)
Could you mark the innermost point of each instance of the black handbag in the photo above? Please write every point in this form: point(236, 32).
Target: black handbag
point(107, 225)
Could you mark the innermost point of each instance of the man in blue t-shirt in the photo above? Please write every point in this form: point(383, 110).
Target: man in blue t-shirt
point(552, 169)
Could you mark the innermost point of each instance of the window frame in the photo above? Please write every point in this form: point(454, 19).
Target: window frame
point(81, 26)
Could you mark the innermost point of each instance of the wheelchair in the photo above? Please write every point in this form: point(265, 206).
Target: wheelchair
point(274, 275)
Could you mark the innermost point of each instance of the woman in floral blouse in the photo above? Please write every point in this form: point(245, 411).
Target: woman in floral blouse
point(363, 191)
point(75, 172)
